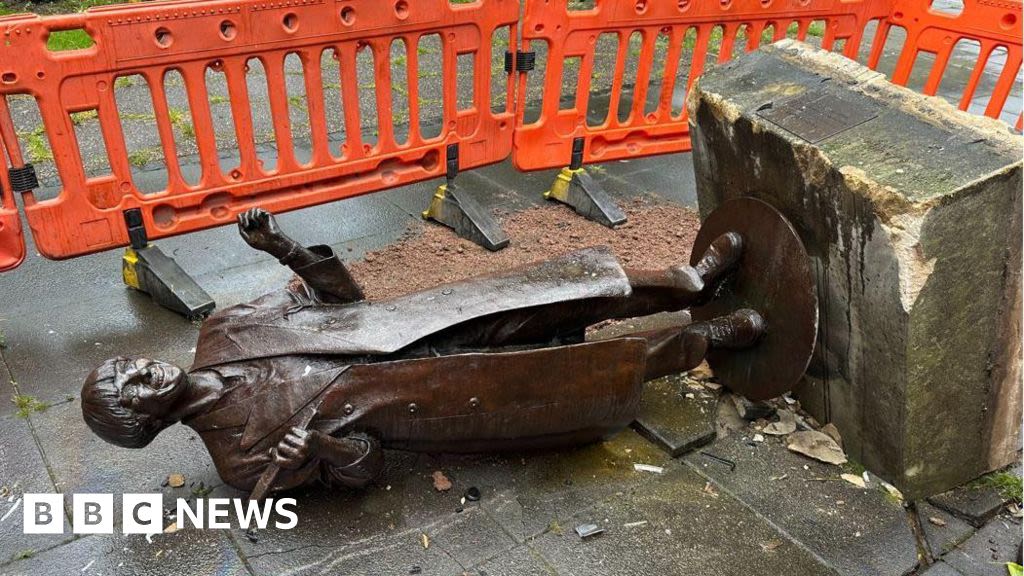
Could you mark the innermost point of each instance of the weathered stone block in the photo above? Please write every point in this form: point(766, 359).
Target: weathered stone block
point(911, 212)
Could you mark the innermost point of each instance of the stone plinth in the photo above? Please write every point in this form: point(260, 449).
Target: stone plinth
point(911, 212)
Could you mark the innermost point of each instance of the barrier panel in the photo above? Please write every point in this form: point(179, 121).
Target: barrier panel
point(178, 45)
point(990, 25)
point(656, 50)
point(346, 104)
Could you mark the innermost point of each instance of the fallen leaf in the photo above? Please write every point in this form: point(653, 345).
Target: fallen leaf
point(854, 479)
point(425, 540)
point(176, 480)
point(709, 489)
point(771, 545)
point(816, 445)
point(936, 520)
point(785, 425)
point(758, 438)
point(171, 528)
point(441, 482)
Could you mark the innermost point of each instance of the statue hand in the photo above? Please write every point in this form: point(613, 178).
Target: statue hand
point(295, 449)
point(259, 229)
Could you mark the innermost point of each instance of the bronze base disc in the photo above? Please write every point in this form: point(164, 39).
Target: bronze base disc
point(773, 277)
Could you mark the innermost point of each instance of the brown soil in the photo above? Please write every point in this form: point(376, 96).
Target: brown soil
point(656, 235)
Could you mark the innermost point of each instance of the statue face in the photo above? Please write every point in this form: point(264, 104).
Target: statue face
point(149, 386)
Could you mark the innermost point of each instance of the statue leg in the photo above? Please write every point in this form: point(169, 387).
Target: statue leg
point(672, 289)
point(674, 350)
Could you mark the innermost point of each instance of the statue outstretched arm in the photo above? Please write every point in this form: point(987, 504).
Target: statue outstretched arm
point(318, 266)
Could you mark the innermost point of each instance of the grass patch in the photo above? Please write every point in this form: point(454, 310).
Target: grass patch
point(219, 100)
point(37, 148)
point(140, 158)
point(26, 405)
point(64, 40)
point(1008, 484)
point(78, 118)
point(24, 554)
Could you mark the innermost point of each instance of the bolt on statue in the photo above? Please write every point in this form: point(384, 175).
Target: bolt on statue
point(309, 384)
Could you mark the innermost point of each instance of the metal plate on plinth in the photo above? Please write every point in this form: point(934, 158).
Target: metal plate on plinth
point(819, 114)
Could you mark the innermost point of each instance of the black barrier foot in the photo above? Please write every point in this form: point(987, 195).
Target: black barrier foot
point(574, 187)
point(146, 268)
point(151, 271)
point(588, 198)
point(457, 210)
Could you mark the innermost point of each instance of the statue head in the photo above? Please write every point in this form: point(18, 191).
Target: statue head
point(127, 401)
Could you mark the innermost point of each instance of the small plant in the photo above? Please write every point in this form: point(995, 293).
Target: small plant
point(79, 118)
point(141, 157)
point(219, 100)
point(24, 554)
point(36, 146)
point(26, 405)
point(124, 82)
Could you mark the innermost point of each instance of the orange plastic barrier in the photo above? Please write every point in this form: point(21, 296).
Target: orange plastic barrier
point(12, 243)
point(991, 23)
point(661, 46)
point(675, 40)
point(223, 36)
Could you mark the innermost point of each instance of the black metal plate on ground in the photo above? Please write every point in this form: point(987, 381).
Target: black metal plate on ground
point(773, 277)
point(820, 113)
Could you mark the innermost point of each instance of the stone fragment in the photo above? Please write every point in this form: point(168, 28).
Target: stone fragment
point(441, 482)
point(814, 444)
point(785, 425)
point(752, 410)
point(833, 433)
point(911, 213)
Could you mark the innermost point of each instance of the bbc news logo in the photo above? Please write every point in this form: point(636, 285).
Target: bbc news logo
point(144, 513)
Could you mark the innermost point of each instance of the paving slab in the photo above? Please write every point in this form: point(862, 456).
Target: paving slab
point(975, 502)
point(22, 470)
point(675, 416)
point(940, 569)
point(534, 491)
point(184, 552)
point(381, 528)
point(987, 552)
point(676, 525)
point(520, 561)
point(941, 539)
point(856, 531)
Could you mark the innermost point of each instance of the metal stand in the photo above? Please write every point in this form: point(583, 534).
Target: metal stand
point(455, 209)
point(574, 187)
point(146, 268)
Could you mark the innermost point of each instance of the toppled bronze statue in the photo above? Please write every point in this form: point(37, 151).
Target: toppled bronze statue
point(309, 384)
